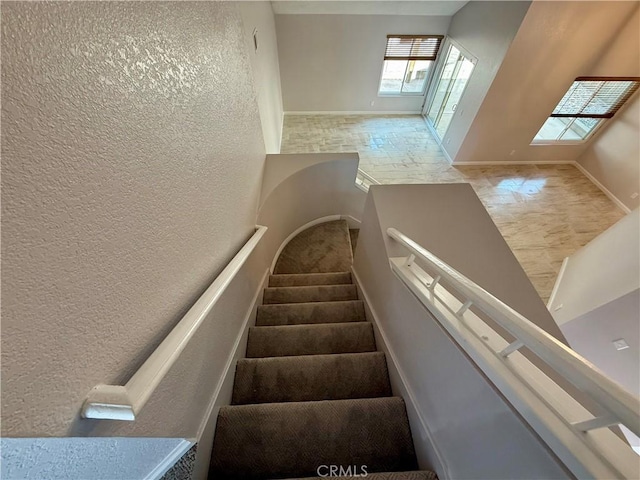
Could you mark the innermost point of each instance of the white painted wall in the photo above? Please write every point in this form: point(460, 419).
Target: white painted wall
point(605, 269)
point(334, 62)
point(259, 17)
point(557, 42)
point(485, 30)
point(132, 166)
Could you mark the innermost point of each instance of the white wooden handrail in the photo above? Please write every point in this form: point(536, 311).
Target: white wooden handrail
point(563, 421)
point(363, 180)
point(124, 402)
point(364, 174)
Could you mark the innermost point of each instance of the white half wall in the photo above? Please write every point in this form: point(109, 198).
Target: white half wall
point(334, 62)
point(468, 430)
point(258, 19)
point(605, 269)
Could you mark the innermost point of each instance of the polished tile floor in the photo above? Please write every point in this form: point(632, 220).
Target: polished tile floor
point(544, 212)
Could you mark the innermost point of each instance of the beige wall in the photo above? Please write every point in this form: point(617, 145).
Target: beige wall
point(132, 158)
point(258, 16)
point(557, 42)
point(485, 30)
point(334, 62)
point(613, 157)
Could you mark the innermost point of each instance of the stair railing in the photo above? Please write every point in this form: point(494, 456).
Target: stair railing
point(580, 439)
point(364, 180)
point(124, 402)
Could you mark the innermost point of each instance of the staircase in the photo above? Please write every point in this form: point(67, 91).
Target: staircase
point(313, 397)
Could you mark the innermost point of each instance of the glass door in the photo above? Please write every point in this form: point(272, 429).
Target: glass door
point(449, 87)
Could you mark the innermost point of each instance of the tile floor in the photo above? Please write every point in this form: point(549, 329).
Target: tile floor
point(544, 212)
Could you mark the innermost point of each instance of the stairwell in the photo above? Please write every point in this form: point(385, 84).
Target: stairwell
point(312, 397)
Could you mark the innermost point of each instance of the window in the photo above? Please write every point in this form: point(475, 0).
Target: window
point(408, 60)
point(587, 104)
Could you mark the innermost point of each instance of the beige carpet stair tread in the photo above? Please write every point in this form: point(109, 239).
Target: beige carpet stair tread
point(322, 248)
point(311, 312)
point(299, 279)
point(318, 339)
point(315, 293)
point(311, 377)
point(280, 440)
point(423, 475)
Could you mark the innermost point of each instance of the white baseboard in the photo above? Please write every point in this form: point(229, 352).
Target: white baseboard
point(604, 189)
point(408, 394)
point(514, 162)
point(317, 221)
point(170, 460)
point(352, 221)
point(355, 112)
point(446, 155)
point(229, 365)
point(556, 285)
point(224, 386)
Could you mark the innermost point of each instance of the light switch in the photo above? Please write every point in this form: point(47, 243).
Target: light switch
point(620, 344)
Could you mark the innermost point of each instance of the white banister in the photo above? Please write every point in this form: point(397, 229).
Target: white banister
point(364, 180)
point(116, 402)
point(582, 441)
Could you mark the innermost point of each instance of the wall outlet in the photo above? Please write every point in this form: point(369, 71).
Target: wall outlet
point(372, 103)
point(634, 195)
point(620, 344)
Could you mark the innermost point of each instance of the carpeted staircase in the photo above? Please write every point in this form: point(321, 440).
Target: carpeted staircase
point(313, 391)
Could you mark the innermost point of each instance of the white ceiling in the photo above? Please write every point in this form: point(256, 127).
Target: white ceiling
point(370, 7)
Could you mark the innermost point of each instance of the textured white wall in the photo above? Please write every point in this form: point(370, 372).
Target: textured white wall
point(258, 16)
point(334, 62)
point(84, 459)
point(132, 157)
point(557, 42)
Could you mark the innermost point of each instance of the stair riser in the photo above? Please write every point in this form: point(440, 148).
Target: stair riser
point(313, 377)
point(324, 293)
point(310, 279)
point(310, 340)
point(310, 313)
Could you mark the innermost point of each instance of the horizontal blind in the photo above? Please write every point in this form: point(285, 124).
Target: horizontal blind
point(412, 47)
point(596, 97)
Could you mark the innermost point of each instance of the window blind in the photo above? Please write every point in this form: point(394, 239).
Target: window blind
point(412, 47)
point(596, 97)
